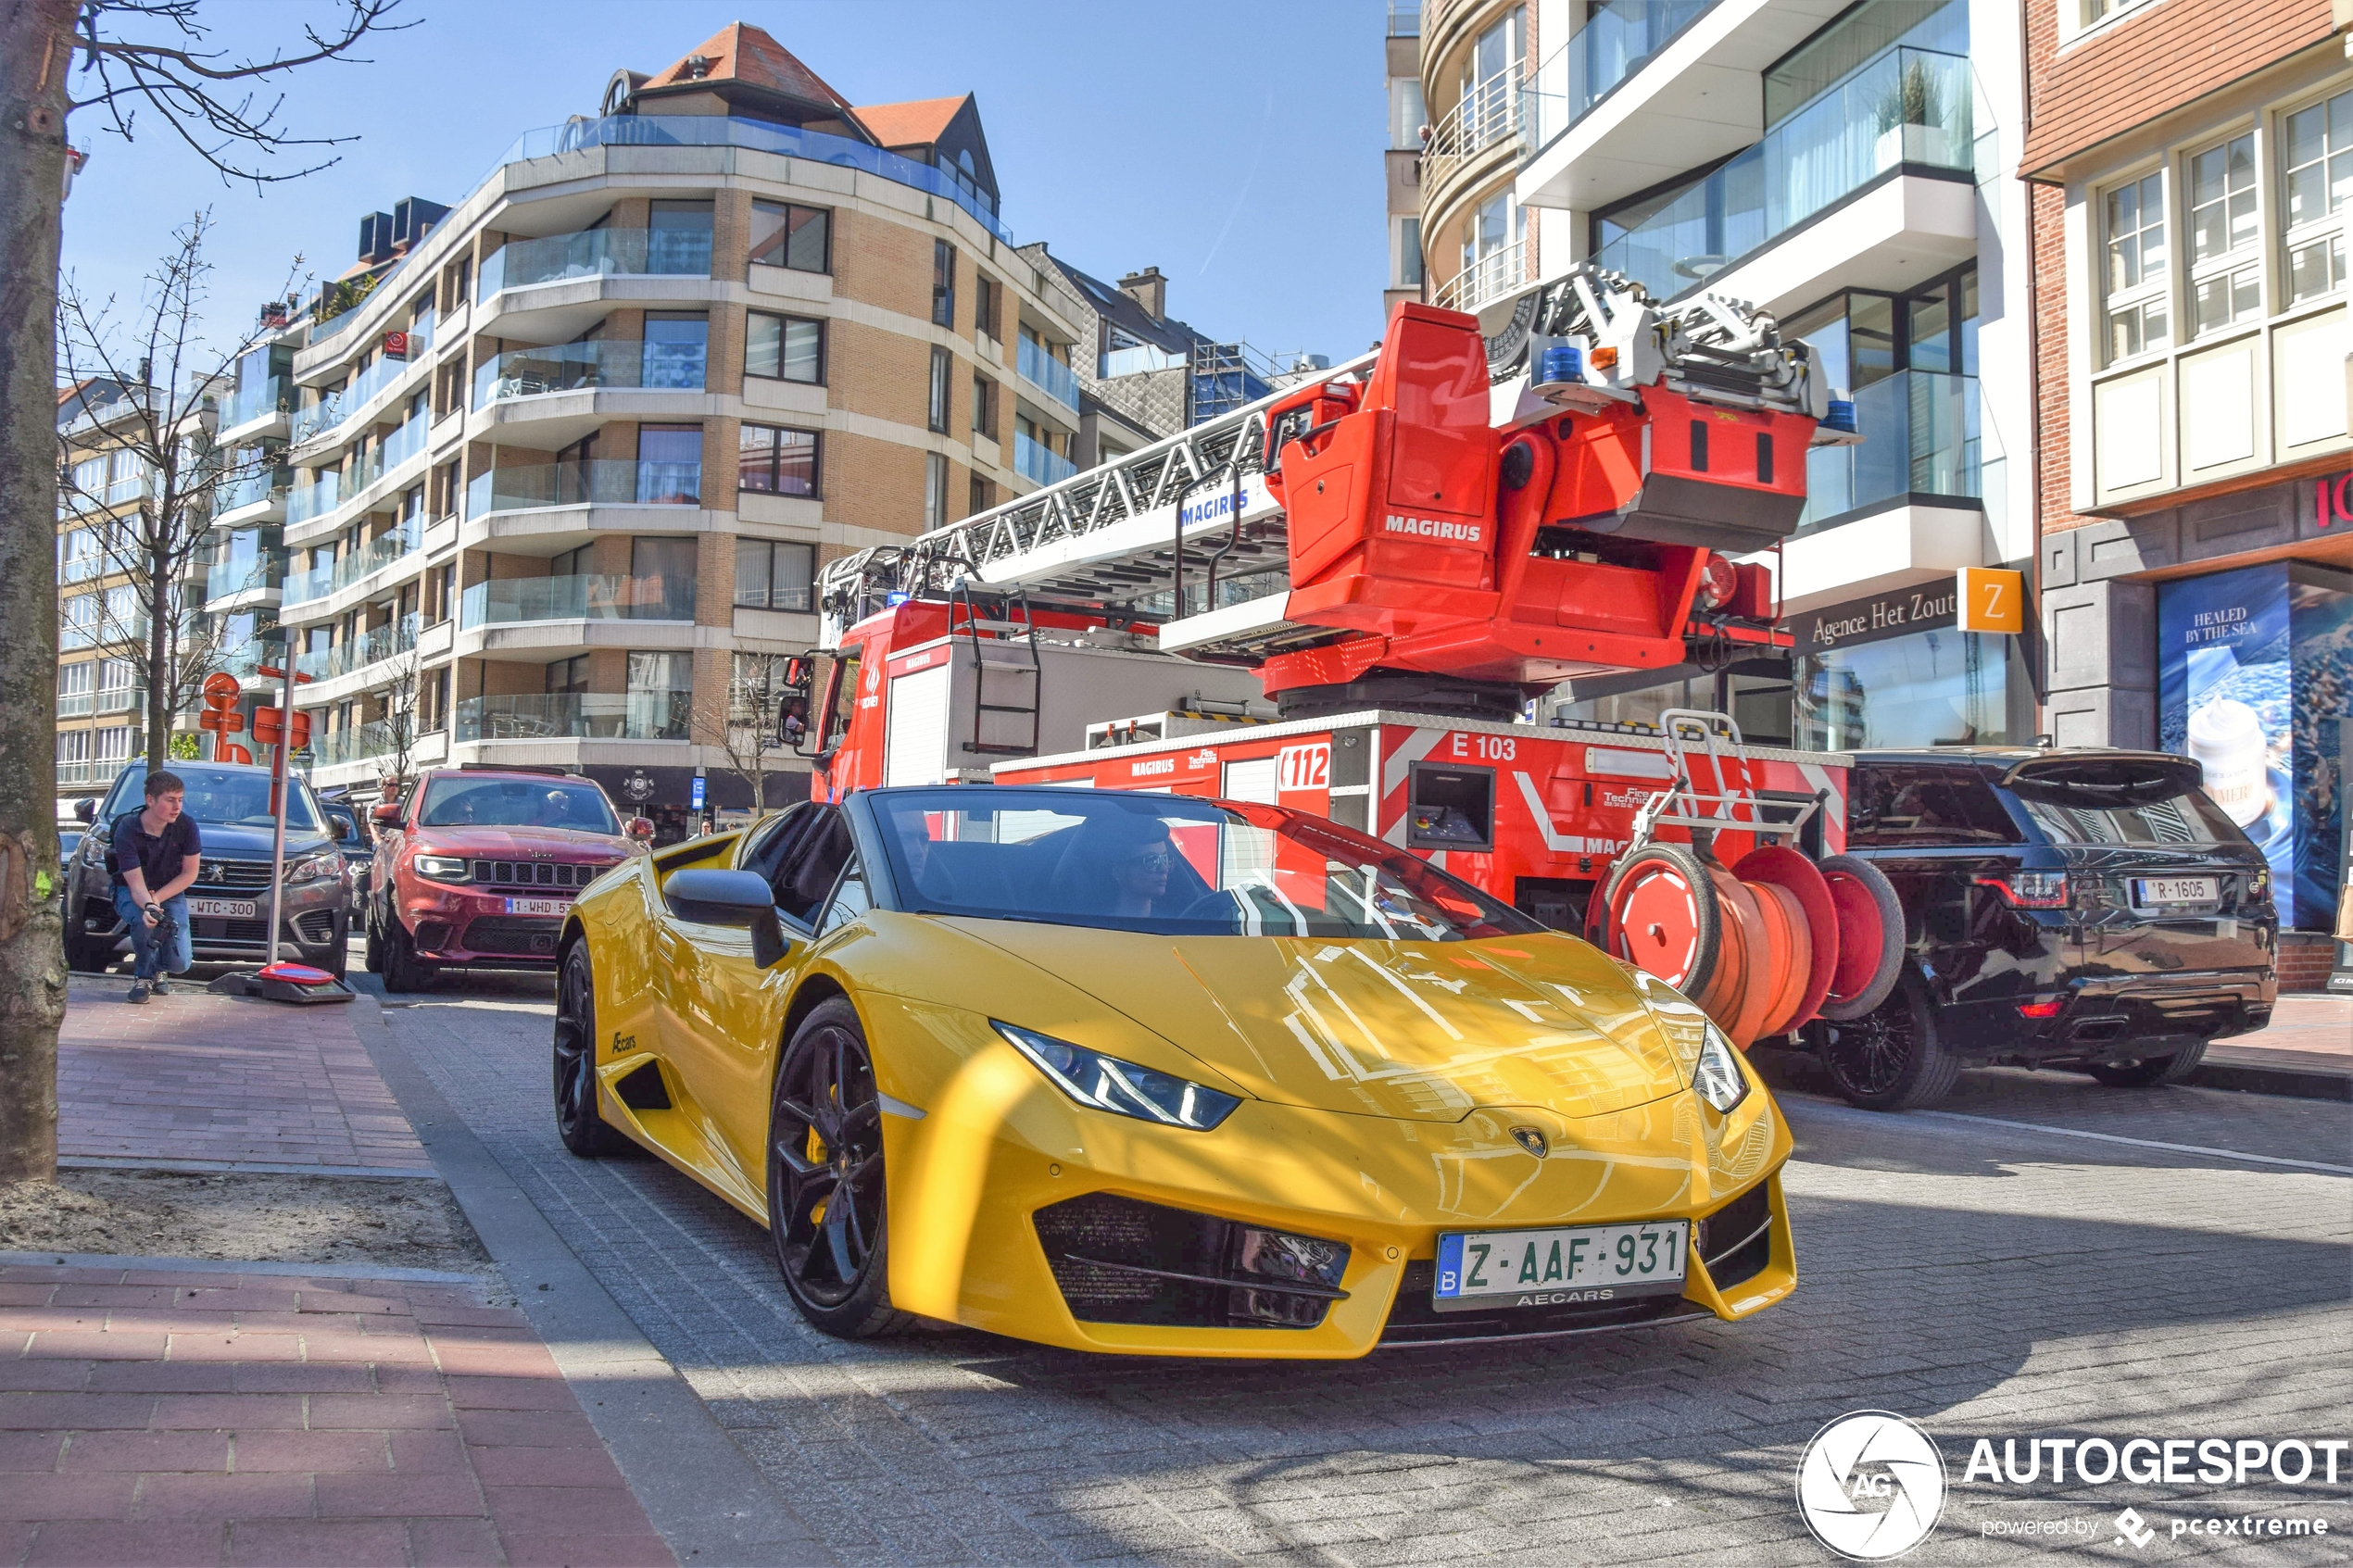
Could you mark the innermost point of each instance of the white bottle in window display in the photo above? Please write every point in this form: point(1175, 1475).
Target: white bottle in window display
point(2227, 740)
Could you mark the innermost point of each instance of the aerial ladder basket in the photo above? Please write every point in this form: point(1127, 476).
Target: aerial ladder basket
point(1764, 946)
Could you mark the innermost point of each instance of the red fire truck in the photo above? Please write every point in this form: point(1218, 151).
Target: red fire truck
point(1342, 598)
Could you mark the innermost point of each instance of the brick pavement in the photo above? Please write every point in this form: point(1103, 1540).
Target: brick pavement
point(1985, 1280)
point(163, 1416)
point(2314, 1033)
point(202, 1079)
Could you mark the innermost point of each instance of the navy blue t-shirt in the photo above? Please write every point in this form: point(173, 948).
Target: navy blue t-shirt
point(160, 857)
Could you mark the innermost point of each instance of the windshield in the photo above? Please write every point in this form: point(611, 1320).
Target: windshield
point(235, 797)
point(518, 803)
point(1165, 864)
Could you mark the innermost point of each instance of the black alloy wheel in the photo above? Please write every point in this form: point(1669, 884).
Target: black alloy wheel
point(89, 954)
point(825, 1192)
point(2149, 1072)
point(1892, 1057)
point(402, 972)
point(578, 1122)
point(375, 951)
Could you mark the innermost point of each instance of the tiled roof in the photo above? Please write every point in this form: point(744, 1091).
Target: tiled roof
point(739, 52)
point(910, 125)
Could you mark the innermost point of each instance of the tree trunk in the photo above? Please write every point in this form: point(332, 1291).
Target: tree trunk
point(162, 673)
point(35, 50)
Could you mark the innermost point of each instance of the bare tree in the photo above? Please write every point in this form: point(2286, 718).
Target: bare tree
point(394, 692)
point(134, 53)
point(748, 735)
point(176, 478)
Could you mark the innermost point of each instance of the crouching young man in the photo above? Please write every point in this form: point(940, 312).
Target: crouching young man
point(156, 855)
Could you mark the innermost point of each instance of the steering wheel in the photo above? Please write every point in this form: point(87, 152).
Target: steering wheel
point(1215, 902)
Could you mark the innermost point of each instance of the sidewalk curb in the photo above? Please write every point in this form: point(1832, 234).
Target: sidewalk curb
point(710, 1503)
point(2285, 1081)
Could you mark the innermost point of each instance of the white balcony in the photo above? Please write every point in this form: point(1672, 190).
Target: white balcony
point(1894, 236)
point(1903, 548)
point(1696, 99)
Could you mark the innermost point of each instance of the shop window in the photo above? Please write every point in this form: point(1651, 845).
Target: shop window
point(2317, 158)
point(1930, 688)
point(2134, 221)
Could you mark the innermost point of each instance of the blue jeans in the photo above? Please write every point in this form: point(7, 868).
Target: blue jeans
point(176, 956)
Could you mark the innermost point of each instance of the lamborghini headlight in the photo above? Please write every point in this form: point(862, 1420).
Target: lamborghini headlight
point(1105, 1082)
point(1719, 1079)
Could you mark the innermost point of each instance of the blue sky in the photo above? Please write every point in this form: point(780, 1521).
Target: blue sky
point(1237, 146)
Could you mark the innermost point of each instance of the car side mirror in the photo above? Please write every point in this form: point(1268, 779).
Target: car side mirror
point(732, 899)
point(385, 816)
point(85, 811)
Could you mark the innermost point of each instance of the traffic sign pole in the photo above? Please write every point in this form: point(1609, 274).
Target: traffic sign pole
point(278, 797)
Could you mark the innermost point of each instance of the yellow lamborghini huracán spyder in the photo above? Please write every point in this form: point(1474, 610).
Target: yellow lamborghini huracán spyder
point(1145, 1074)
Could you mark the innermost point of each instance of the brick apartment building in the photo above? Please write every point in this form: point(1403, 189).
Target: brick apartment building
point(2192, 169)
point(561, 461)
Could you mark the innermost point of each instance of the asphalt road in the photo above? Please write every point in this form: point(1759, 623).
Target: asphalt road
point(2042, 1259)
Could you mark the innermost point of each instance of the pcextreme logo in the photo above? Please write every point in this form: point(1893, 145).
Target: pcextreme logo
point(1870, 1485)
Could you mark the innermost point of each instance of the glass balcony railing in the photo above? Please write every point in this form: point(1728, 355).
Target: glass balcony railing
point(251, 490)
point(336, 406)
point(315, 500)
point(1921, 437)
point(1048, 374)
point(1618, 39)
point(600, 481)
point(80, 569)
point(246, 574)
point(577, 366)
point(576, 716)
point(589, 597)
point(90, 770)
point(273, 396)
point(711, 131)
point(402, 539)
point(1906, 107)
point(359, 743)
point(1038, 462)
point(75, 705)
point(1142, 358)
point(597, 253)
point(395, 637)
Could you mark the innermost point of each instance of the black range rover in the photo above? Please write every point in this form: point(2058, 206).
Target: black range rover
point(2087, 907)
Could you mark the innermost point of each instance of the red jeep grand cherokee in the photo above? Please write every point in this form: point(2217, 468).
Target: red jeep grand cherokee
point(477, 866)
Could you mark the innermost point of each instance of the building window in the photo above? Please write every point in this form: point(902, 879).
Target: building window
point(797, 237)
point(984, 405)
point(1409, 270)
point(775, 574)
point(943, 283)
point(2226, 282)
point(1406, 116)
point(934, 490)
point(782, 462)
point(568, 675)
point(662, 695)
point(984, 495)
point(785, 349)
point(2136, 314)
point(2318, 150)
point(936, 409)
point(985, 296)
